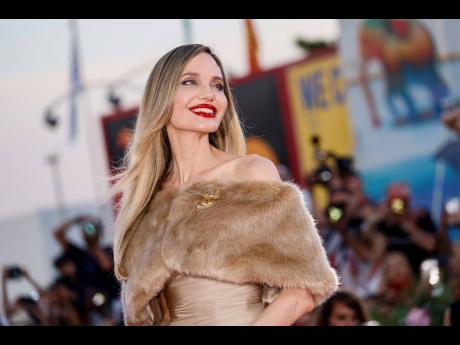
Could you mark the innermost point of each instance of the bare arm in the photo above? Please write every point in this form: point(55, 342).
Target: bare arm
point(6, 303)
point(8, 308)
point(32, 281)
point(60, 233)
point(288, 307)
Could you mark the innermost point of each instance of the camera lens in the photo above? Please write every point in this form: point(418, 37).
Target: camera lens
point(323, 174)
point(335, 214)
point(397, 206)
point(14, 272)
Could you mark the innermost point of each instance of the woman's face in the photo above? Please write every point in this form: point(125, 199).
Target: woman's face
point(200, 102)
point(343, 316)
point(398, 271)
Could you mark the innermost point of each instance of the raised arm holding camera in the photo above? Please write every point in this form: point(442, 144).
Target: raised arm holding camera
point(355, 252)
point(94, 263)
point(410, 231)
point(34, 310)
point(91, 229)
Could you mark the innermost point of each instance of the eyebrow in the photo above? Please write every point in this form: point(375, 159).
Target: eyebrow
point(197, 75)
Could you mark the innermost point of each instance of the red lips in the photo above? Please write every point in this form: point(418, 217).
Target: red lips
point(195, 110)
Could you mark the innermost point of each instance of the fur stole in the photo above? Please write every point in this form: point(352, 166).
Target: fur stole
point(240, 232)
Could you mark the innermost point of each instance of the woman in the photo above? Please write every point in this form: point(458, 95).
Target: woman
point(205, 234)
point(398, 292)
point(343, 309)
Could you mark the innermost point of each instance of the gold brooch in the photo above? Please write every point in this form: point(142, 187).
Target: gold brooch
point(208, 198)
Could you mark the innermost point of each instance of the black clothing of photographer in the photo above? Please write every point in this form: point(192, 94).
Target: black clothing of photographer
point(343, 227)
point(68, 278)
point(411, 232)
point(94, 264)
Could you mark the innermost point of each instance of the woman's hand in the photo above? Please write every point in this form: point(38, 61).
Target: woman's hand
point(289, 306)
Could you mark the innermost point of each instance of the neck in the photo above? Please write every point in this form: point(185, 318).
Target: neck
point(192, 154)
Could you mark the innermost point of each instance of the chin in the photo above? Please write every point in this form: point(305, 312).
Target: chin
point(210, 126)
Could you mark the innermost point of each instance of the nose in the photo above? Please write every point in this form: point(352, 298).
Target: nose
point(207, 93)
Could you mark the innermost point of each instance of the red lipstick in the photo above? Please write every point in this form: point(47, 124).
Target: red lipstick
point(205, 110)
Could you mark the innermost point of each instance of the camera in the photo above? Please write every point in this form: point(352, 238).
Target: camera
point(329, 164)
point(89, 228)
point(335, 212)
point(398, 206)
point(14, 272)
point(322, 174)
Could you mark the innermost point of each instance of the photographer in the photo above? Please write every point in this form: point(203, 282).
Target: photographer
point(63, 306)
point(94, 264)
point(355, 252)
point(35, 310)
point(69, 279)
point(409, 231)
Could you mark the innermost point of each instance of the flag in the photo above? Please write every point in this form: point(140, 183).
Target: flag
point(252, 46)
point(75, 82)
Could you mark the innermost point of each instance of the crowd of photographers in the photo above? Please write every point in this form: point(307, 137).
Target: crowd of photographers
point(396, 266)
point(84, 292)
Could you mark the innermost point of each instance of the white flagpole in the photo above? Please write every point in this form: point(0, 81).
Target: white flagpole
point(92, 139)
point(75, 79)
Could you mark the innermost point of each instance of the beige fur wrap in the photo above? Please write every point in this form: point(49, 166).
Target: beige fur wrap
point(241, 232)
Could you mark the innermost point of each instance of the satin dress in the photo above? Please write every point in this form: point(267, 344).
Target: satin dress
point(194, 301)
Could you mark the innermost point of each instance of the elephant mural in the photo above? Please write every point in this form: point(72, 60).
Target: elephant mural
point(407, 52)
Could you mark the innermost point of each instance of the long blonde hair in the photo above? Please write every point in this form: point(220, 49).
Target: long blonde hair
point(148, 160)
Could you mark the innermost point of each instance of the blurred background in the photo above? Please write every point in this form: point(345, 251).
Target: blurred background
point(363, 114)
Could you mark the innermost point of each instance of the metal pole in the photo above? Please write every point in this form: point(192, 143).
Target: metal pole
point(438, 186)
point(187, 26)
point(53, 161)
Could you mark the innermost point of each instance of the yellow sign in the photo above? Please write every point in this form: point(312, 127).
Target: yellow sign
point(316, 92)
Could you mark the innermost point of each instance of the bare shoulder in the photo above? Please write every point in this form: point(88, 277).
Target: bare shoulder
point(255, 167)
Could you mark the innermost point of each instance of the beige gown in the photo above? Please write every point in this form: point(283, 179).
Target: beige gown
point(194, 301)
